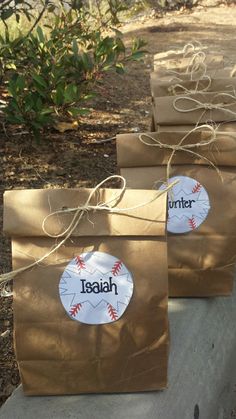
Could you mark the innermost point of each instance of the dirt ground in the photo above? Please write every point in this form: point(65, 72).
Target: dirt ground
point(72, 159)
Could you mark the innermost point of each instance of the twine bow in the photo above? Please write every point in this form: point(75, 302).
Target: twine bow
point(79, 212)
point(195, 104)
point(155, 142)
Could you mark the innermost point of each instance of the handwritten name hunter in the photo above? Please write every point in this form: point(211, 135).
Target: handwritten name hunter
point(98, 287)
point(181, 203)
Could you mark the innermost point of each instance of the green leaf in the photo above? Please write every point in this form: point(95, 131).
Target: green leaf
point(20, 83)
point(28, 15)
point(107, 67)
point(46, 111)
point(85, 61)
point(70, 93)
point(39, 79)
point(39, 104)
point(75, 48)
point(44, 119)
point(15, 119)
point(13, 104)
point(41, 91)
point(78, 111)
point(40, 34)
point(136, 56)
point(29, 103)
point(120, 68)
point(89, 96)
point(12, 88)
point(58, 97)
point(137, 44)
point(119, 45)
point(51, 9)
point(7, 13)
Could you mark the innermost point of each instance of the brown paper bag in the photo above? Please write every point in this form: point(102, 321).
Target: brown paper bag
point(188, 50)
point(182, 63)
point(195, 75)
point(194, 109)
point(201, 256)
point(172, 86)
point(93, 317)
point(171, 54)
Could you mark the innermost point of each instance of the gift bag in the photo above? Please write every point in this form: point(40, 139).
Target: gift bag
point(194, 75)
point(181, 63)
point(201, 215)
point(194, 109)
point(92, 317)
point(171, 86)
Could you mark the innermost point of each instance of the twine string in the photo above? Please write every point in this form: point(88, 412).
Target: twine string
point(191, 72)
point(108, 206)
point(178, 88)
point(155, 142)
point(197, 59)
point(195, 104)
point(196, 63)
point(190, 47)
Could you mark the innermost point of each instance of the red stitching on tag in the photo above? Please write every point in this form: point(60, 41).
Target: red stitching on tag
point(197, 187)
point(80, 262)
point(75, 309)
point(116, 268)
point(112, 312)
point(192, 223)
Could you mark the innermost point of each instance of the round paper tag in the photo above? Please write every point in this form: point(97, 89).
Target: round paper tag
point(188, 205)
point(95, 288)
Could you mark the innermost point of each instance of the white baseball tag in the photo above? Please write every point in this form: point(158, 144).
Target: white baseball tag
point(188, 205)
point(95, 288)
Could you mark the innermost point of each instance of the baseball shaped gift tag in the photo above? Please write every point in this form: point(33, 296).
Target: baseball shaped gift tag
point(95, 288)
point(188, 205)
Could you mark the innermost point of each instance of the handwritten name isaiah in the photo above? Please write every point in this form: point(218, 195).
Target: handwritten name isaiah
point(98, 287)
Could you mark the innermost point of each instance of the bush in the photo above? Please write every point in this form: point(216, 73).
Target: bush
point(53, 75)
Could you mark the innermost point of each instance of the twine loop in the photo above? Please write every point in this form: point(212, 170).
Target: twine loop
point(178, 86)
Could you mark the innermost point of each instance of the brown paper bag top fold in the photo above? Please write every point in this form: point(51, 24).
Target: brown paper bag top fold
point(171, 86)
point(164, 74)
point(181, 63)
point(131, 152)
point(25, 212)
point(178, 53)
point(194, 108)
